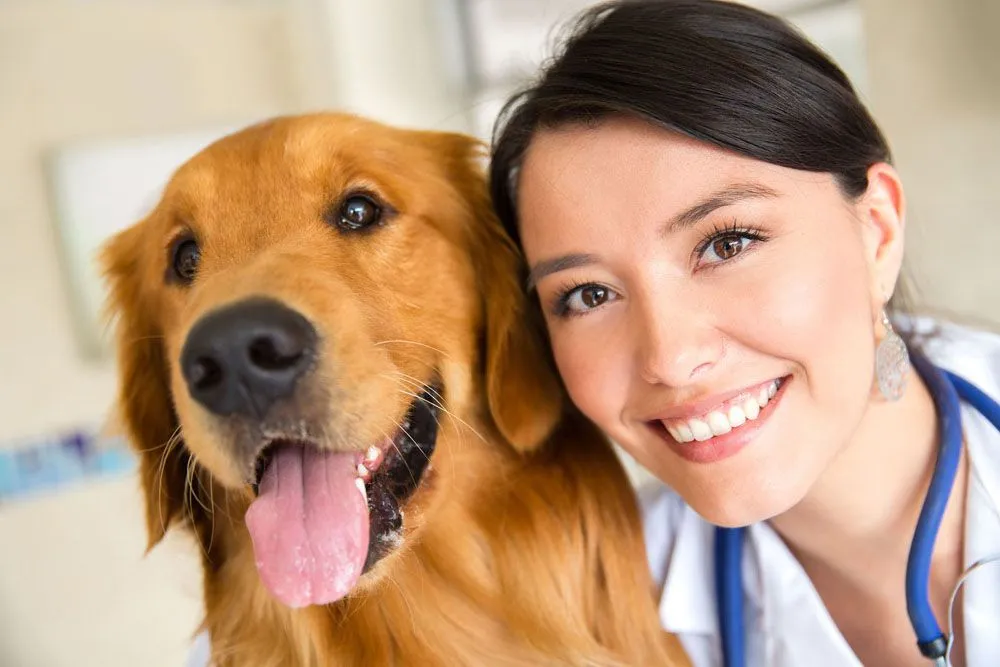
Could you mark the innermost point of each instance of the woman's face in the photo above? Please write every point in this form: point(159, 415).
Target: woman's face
point(715, 315)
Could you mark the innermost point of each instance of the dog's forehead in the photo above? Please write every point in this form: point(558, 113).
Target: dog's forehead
point(323, 141)
point(318, 152)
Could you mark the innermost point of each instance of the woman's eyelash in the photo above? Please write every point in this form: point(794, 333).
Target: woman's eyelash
point(560, 304)
point(731, 229)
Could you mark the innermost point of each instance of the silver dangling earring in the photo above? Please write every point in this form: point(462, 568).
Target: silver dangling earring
point(892, 362)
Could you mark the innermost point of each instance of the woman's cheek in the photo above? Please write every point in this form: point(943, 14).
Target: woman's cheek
point(812, 306)
point(591, 371)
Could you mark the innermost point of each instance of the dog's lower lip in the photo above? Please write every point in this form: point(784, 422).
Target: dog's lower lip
point(401, 472)
point(260, 465)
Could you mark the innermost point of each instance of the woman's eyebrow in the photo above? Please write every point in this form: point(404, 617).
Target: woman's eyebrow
point(549, 266)
point(727, 196)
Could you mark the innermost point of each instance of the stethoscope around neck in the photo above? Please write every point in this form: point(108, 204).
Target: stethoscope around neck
point(947, 390)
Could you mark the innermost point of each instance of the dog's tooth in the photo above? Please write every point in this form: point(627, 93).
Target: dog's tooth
point(360, 483)
point(372, 454)
point(362, 470)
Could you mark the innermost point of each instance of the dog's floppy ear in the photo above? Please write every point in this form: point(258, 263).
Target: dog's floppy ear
point(524, 394)
point(144, 401)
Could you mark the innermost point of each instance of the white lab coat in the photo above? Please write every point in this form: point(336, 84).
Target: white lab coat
point(786, 622)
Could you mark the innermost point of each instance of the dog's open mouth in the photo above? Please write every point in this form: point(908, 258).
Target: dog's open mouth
point(322, 518)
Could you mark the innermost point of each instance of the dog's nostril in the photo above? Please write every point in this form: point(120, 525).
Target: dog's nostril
point(242, 358)
point(204, 373)
point(274, 353)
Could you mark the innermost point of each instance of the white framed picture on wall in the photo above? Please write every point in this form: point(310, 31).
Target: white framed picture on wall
point(96, 189)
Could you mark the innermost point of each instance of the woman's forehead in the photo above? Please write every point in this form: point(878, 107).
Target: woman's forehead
point(631, 165)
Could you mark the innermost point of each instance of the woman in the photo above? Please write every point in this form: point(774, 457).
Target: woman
point(714, 232)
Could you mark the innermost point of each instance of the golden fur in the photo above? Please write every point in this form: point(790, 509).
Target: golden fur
point(522, 545)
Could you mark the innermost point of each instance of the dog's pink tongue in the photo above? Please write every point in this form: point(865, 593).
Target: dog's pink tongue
point(309, 526)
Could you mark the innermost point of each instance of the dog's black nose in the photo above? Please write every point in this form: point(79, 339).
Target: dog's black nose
point(242, 358)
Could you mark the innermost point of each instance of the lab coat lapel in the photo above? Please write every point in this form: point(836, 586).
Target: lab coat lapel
point(981, 590)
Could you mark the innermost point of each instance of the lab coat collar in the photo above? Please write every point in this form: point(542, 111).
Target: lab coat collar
point(779, 605)
point(688, 602)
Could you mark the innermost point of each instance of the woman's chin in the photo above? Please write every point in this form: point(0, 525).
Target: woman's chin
point(735, 508)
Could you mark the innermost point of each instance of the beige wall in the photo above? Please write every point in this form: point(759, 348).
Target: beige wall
point(935, 81)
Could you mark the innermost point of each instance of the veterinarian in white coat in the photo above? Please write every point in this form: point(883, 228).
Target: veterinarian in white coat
point(715, 233)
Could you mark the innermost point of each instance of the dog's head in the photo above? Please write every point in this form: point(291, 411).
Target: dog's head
point(307, 299)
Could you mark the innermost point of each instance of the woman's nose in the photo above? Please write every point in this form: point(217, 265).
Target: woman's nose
point(676, 346)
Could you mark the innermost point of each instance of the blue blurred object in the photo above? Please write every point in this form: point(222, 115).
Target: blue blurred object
point(32, 469)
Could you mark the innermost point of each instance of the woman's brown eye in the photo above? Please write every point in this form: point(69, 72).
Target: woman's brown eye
point(728, 247)
point(585, 298)
point(593, 297)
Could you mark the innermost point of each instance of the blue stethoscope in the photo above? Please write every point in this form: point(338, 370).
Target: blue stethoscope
point(947, 389)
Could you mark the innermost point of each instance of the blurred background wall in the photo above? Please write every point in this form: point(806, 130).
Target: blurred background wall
point(75, 587)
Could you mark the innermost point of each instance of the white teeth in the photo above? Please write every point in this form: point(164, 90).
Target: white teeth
point(719, 423)
point(360, 483)
point(362, 470)
point(372, 454)
point(736, 416)
point(700, 430)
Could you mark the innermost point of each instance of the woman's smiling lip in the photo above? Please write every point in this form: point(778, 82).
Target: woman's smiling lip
point(709, 404)
point(710, 446)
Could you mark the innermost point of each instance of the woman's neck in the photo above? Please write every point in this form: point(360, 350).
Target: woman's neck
point(857, 522)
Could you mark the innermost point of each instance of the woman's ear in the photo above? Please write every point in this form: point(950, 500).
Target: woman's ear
point(144, 402)
point(523, 392)
point(882, 210)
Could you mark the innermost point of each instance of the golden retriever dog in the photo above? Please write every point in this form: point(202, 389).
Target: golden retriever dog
point(332, 378)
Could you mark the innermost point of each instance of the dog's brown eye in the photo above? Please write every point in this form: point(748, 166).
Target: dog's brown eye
point(186, 257)
point(358, 212)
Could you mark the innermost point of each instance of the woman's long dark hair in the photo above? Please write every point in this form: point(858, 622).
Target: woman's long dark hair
point(716, 71)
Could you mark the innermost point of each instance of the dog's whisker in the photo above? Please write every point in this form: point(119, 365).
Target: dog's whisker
point(211, 502)
point(403, 341)
point(420, 386)
point(413, 356)
point(445, 411)
point(189, 492)
point(406, 600)
point(460, 432)
point(402, 458)
point(197, 478)
point(210, 508)
point(167, 447)
point(409, 470)
point(423, 386)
